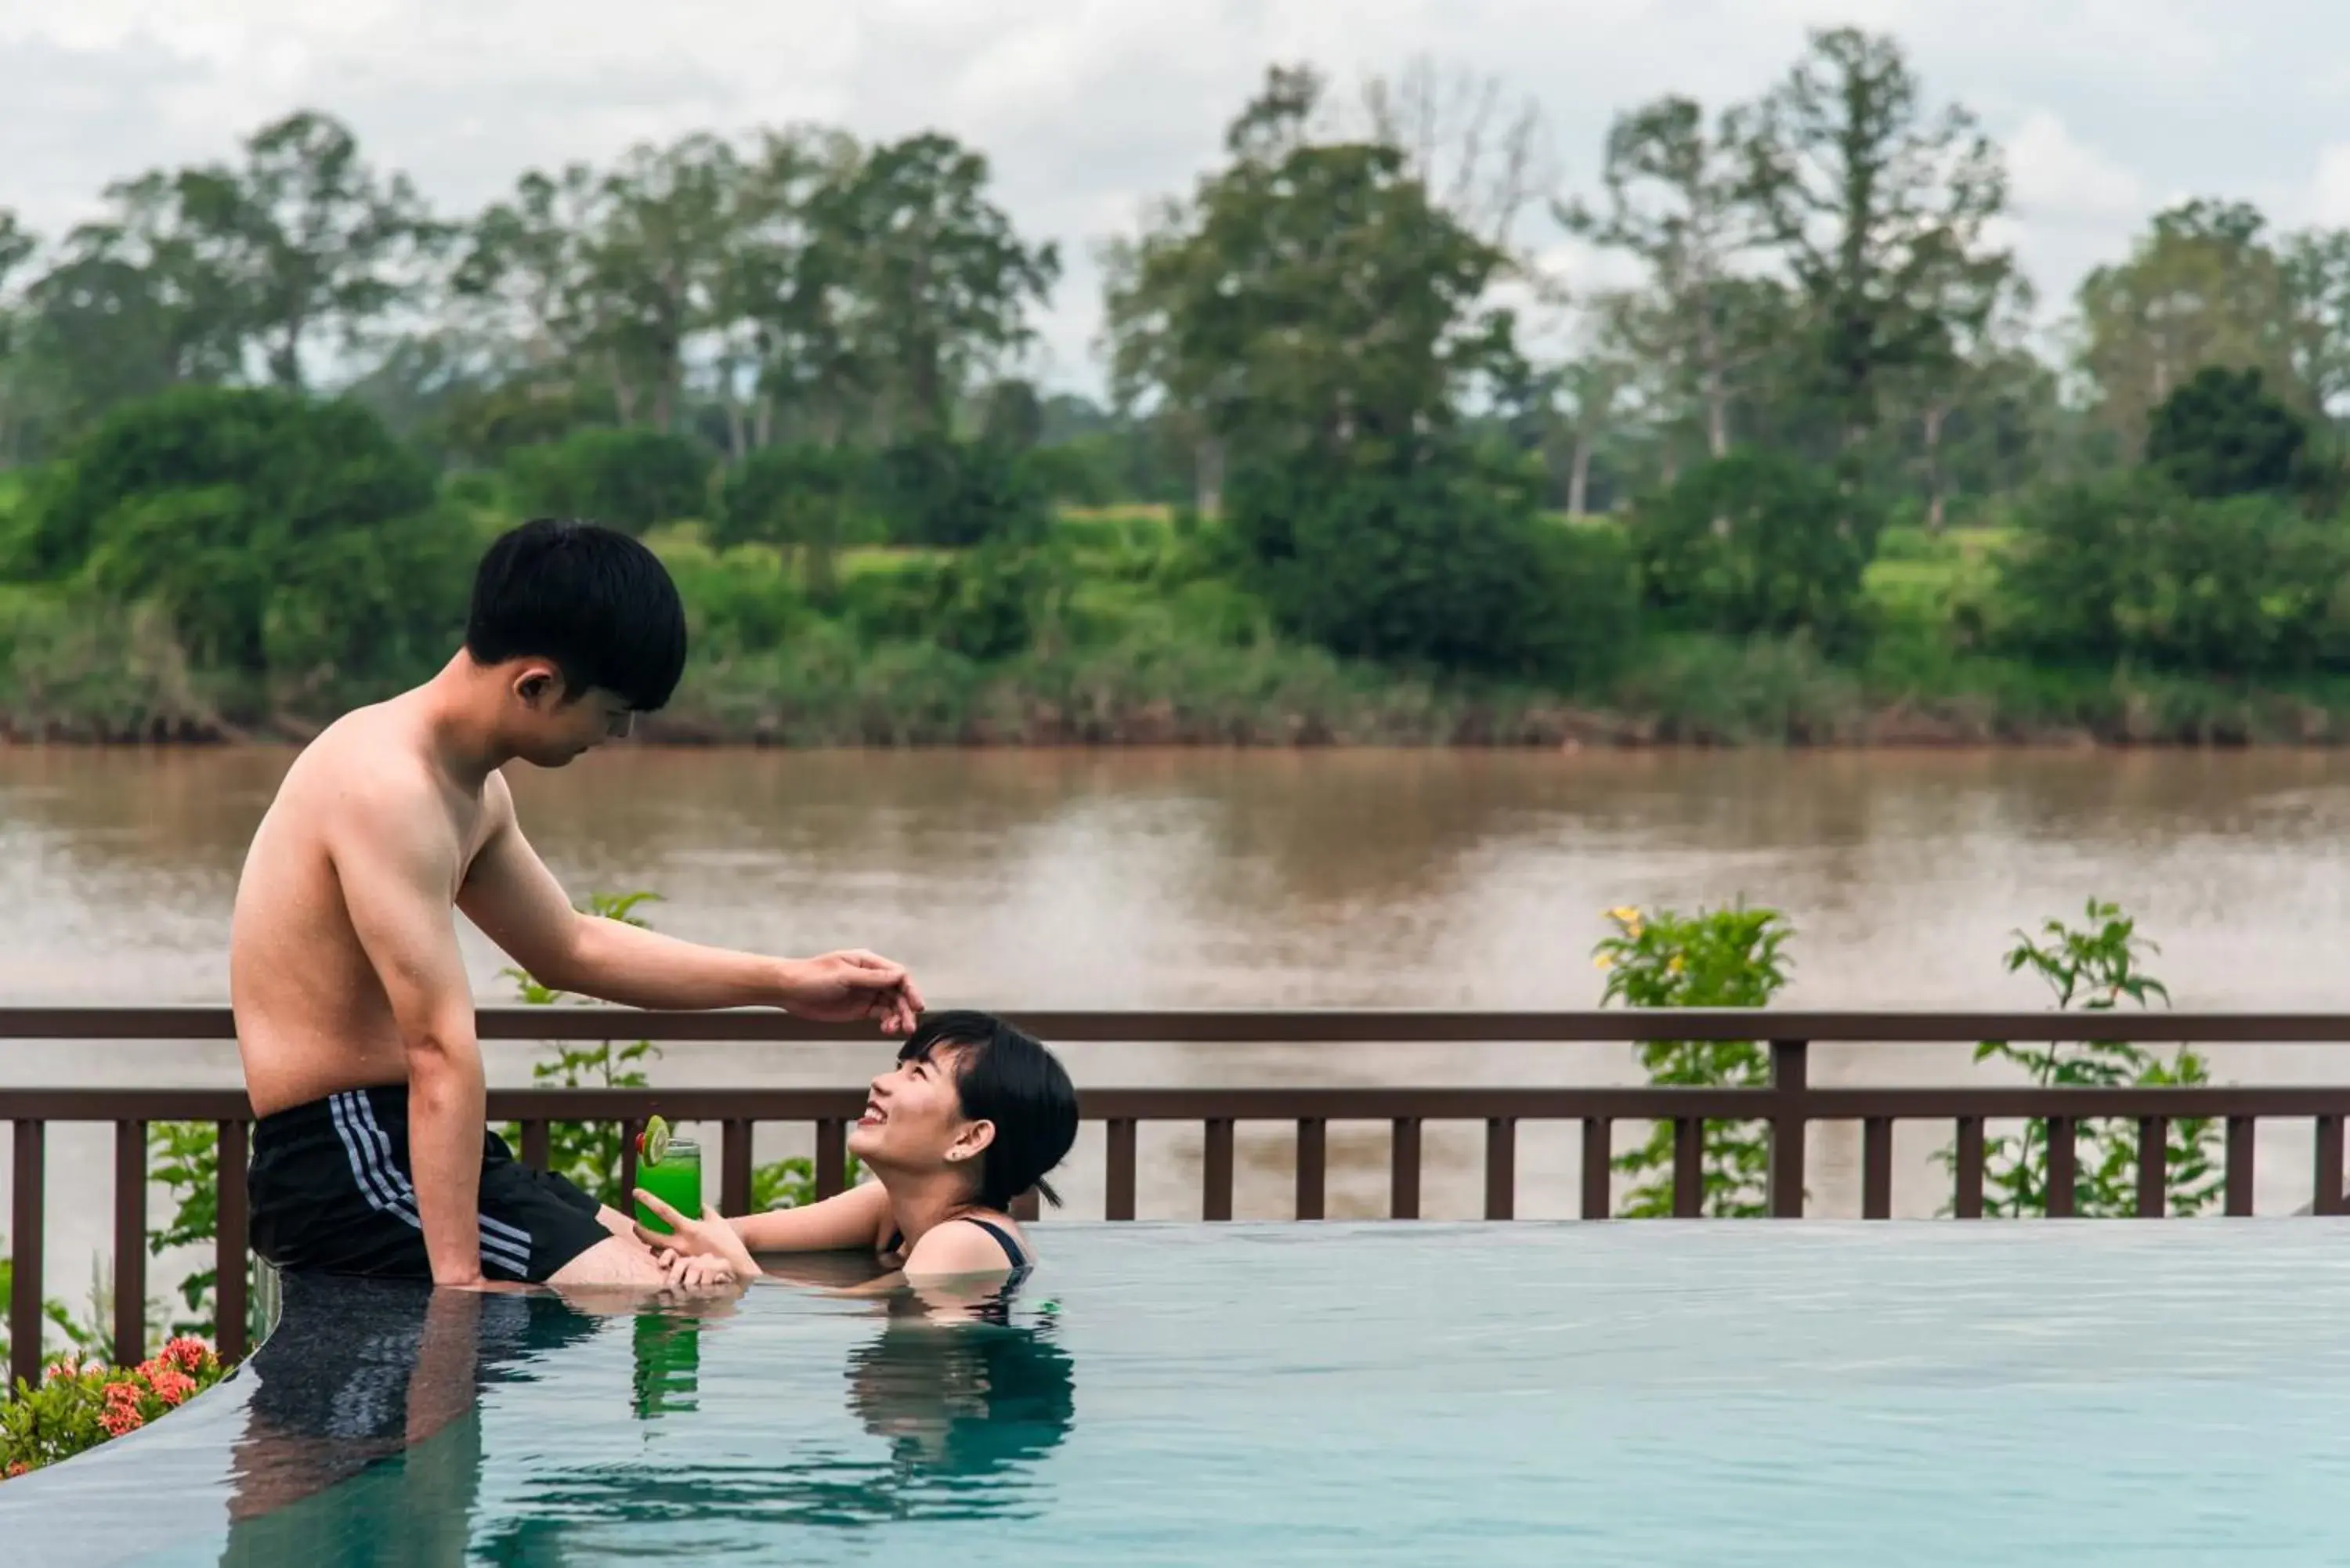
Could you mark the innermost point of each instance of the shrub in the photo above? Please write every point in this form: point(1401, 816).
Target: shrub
point(80, 1406)
point(932, 490)
point(1444, 562)
point(1720, 957)
point(2136, 570)
point(625, 478)
point(285, 538)
point(1758, 544)
point(2220, 433)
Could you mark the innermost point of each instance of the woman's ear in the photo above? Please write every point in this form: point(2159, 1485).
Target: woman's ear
point(971, 1141)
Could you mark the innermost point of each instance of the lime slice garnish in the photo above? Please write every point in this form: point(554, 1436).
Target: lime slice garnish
point(656, 1141)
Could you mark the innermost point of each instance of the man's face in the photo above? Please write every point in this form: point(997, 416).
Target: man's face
point(551, 728)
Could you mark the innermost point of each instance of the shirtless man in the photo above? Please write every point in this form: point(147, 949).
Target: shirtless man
point(372, 1153)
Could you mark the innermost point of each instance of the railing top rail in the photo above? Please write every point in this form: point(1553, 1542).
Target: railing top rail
point(1343, 1103)
point(1302, 1026)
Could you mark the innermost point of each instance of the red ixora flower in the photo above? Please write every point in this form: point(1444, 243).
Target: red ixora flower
point(171, 1385)
point(119, 1419)
point(17, 1467)
point(187, 1353)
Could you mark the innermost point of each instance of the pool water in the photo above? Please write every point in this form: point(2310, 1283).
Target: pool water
point(1655, 1394)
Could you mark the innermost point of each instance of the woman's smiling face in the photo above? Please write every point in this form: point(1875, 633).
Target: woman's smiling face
point(913, 1118)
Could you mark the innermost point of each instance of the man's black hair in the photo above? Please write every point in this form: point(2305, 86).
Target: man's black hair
point(596, 603)
point(1010, 1079)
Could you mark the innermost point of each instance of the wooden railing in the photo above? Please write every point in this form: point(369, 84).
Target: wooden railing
point(1787, 1106)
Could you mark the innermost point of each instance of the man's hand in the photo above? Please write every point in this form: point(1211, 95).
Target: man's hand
point(842, 987)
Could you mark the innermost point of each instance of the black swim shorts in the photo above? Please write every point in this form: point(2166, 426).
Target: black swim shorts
point(330, 1191)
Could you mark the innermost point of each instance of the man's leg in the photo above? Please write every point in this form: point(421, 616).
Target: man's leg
point(614, 1260)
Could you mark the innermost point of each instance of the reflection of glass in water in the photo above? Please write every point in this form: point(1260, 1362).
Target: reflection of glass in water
point(668, 1363)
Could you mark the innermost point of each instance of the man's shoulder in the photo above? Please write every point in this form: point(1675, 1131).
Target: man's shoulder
point(363, 767)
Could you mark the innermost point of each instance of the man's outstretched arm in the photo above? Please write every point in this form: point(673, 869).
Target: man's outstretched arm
point(517, 902)
point(395, 862)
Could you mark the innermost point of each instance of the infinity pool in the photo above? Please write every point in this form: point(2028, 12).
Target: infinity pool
point(1654, 1394)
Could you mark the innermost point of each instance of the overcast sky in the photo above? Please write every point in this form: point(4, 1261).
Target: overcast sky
point(2109, 108)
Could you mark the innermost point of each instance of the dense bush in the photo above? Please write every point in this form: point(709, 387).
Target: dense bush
point(932, 490)
point(1757, 544)
point(2136, 570)
point(1444, 562)
point(287, 538)
point(806, 496)
point(630, 478)
point(2221, 433)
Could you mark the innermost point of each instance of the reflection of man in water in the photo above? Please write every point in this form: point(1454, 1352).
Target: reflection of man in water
point(362, 1371)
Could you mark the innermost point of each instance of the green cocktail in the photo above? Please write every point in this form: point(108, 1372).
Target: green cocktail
point(674, 1175)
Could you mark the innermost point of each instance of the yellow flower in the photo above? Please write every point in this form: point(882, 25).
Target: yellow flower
point(1625, 914)
point(1605, 960)
point(1676, 964)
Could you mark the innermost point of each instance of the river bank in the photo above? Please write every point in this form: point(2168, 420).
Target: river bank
point(1694, 693)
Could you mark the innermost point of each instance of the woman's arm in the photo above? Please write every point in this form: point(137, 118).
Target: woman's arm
point(845, 1221)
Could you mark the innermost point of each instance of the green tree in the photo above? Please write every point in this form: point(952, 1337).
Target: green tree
point(630, 478)
point(1677, 201)
point(291, 540)
point(945, 282)
point(312, 242)
point(1881, 212)
point(2221, 433)
point(2202, 287)
point(1758, 544)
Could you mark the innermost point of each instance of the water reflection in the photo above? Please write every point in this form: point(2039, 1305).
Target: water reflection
point(363, 1440)
point(965, 1404)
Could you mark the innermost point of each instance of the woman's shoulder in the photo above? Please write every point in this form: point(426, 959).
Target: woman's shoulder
point(983, 1242)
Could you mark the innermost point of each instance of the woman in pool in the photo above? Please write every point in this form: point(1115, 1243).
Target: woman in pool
point(974, 1114)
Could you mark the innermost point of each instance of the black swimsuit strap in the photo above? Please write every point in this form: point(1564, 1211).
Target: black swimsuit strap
point(1003, 1238)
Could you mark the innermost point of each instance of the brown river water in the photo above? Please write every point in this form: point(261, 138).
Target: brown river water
point(1033, 879)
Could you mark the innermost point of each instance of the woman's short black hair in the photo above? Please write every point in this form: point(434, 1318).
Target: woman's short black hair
point(595, 602)
point(1010, 1079)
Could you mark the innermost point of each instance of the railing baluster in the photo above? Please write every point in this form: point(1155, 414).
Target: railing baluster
point(1966, 1200)
point(1791, 1070)
point(25, 1322)
point(129, 1244)
point(1216, 1171)
point(1312, 1168)
point(1403, 1170)
point(629, 1134)
point(1118, 1188)
point(1876, 1167)
point(831, 1159)
point(1688, 1167)
point(537, 1144)
point(734, 1162)
point(2153, 1167)
point(1028, 1206)
point(1598, 1165)
point(2327, 1188)
point(1501, 1167)
point(2240, 1144)
point(229, 1303)
point(2063, 1168)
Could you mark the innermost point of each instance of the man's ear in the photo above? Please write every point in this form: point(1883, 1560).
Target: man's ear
point(538, 684)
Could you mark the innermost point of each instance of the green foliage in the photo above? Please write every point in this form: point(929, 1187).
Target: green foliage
point(806, 498)
point(1443, 562)
point(629, 478)
point(2221, 434)
point(738, 601)
point(1758, 543)
point(2095, 968)
point(932, 490)
point(184, 1158)
point(79, 1405)
point(2134, 571)
point(83, 1334)
point(1720, 957)
point(286, 539)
